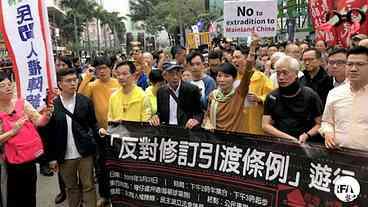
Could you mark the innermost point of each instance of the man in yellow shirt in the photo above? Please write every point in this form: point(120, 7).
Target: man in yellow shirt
point(99, 91)
point(260, 86)
point(129, 103)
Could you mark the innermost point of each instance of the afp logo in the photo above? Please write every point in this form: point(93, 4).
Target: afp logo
point(347, 189)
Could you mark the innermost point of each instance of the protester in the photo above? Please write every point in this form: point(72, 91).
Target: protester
point(225, 105)
point(259, 87)
point(225, 108)
point(63, 62)
point(271, 50)
point(21, 175)
point(336, 65)
point(293, 50)
point(179, 53)
point(336, 119)
point(303, 46)
point(204, 82)
point(140, 75)
point(99, 91)
point(187, 75)
point(157, 81)
point(292, 111)
point(228, 55)
point(72, 146)
point(315, 76)
point(272, 72)
point(129, 103)
point(214, 60)
point(178, 102)
point(77, 65)
point(147, 62)
point(357, 69)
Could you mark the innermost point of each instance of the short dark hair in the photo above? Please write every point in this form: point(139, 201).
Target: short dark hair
point(337, 51)
point(101, 60)
point(227, 68)
point(318, 53)
point(75, 59)
point(64, 72)
point(243, 49)
point(3, 76)
point(215, 55)
point(359, 50)
point(194, 54)
point(155, 76)
point(66, 60)
point(175, 50)
point(130, 64)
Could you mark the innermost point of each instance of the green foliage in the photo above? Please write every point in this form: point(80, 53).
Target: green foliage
point(80, 12)
point(168, 14)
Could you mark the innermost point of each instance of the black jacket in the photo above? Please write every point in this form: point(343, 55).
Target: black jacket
point(85, 130)
point(189, 105)
point(322, 83)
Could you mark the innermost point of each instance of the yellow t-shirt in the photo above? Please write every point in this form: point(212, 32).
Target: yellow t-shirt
point(129, 107)
point(152, 99)
point(99, 92)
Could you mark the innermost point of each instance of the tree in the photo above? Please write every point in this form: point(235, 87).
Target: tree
point(80, 12)
point(168, 15)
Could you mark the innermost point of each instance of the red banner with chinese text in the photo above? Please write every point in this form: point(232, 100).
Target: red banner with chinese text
point(322, 11)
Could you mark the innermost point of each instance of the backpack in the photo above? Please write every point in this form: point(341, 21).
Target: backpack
point(26, 145)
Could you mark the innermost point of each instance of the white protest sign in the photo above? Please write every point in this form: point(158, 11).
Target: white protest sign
point(241, 18)
point(25, 26)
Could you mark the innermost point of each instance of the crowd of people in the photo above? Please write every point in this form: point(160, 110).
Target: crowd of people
point(300, 92)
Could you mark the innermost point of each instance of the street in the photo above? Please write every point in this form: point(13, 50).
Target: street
point(47, 189)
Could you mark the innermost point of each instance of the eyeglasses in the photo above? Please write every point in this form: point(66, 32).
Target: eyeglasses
point(357, 64)
point(337, 62)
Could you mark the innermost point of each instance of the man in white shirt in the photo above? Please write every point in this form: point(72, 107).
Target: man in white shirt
point(357, 68)
point(336, 119)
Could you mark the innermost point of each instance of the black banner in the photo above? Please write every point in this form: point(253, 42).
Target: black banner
point(169, 166)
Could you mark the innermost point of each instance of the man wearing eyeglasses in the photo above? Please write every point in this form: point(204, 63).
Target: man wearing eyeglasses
point(335, 122)
point(336, 66)
point(315, 76)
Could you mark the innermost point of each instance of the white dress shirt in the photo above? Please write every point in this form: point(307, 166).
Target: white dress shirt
point(71, 148)
point(173, 119)
point(358, 133)
point(337, 116)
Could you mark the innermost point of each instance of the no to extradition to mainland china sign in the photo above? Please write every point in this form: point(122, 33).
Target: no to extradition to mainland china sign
point(170, 166)
point(241, 18)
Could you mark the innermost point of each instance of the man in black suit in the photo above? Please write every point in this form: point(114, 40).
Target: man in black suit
point(178, 102)
point(72, 145)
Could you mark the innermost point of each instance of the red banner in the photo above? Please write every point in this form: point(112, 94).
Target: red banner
point(335, 21)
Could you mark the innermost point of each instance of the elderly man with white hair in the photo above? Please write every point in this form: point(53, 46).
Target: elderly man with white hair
point(274, 58)
point(292, 111)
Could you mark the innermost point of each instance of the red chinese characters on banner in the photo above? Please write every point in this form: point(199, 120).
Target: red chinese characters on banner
point(335, 21)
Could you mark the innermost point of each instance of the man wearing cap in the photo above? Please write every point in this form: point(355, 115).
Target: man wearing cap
point(179, 102)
